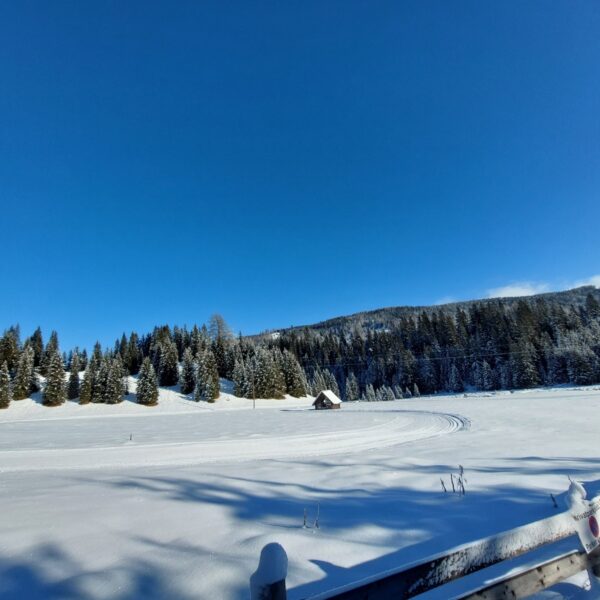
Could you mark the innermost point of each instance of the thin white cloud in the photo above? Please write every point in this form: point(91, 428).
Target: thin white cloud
point(593, 280)
point(519, 288)
point(446, 300)
point(530, 288)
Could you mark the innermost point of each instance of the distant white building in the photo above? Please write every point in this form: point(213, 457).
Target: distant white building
point(327, 400)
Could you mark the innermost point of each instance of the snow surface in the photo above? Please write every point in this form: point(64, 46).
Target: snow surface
point(178, 500)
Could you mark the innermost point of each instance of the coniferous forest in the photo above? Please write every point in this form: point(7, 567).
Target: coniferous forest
point(391, 353)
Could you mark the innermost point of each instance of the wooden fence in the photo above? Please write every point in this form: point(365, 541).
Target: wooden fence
point(412, 580)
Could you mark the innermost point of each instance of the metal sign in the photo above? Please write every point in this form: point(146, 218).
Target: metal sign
point(587, 517)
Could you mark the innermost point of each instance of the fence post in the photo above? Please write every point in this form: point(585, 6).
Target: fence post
point(594, 575)
point(268, 581)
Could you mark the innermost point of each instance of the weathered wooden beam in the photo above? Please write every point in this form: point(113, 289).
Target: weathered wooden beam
point(535, 579)
point(438, 570)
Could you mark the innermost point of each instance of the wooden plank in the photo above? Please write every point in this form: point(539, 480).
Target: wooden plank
point(426, 575)
point(540, 577)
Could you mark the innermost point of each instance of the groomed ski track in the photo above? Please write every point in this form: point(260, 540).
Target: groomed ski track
point(345, 433)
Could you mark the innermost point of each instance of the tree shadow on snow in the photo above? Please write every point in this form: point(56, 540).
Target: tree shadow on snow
point(48, 573)
point(418, 523)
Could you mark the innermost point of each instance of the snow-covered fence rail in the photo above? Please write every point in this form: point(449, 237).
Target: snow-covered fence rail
point(529, 581)
point(440, 569)
point(435, 571)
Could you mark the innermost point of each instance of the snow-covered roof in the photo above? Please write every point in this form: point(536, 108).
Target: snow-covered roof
point(330, 396)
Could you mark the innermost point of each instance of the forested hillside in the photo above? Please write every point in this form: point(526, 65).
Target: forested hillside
point(489, 344)
point(389, 353)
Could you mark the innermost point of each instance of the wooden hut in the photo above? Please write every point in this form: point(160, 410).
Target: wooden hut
point(327, 400)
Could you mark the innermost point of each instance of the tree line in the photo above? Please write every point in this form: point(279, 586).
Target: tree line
point(193, 360)
point(487, 345)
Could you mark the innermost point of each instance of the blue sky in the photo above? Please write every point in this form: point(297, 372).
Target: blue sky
point(285, 162)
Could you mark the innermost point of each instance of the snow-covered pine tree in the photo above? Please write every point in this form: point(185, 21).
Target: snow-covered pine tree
point(113, 390)
point(277, 386)
point(5, 391)
point(241, 387)
point(416, 392)
point(25, 382)
point(293, 375)
point(83, 360)
point(370, 395)
point(318, 383)
point(168, 369)
point(487, 376)
point(582, 365)
point(524, 369)
point(407, 393)
point(398, 393)
point(207, 377)
point(37, 345)
point(455, 383)
point(100, 380)
point(51, 348)
point(73, 386)
point(55, 392)
point(147, 386)
point(9, 348)
point(134, 356)
point(187, 377)
point(331, 382)
point(476, 375)
point(87, 385)
point(388, 394)
point(352, 392)
point(123, 373)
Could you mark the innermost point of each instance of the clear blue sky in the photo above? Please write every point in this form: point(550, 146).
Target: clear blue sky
point(285, 162)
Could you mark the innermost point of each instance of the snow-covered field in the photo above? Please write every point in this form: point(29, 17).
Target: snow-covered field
point(177, 501)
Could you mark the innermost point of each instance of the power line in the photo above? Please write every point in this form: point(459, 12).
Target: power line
point(310, 363)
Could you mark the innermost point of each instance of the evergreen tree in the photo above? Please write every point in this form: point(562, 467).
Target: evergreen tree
point(5, 391)
point(207, 378)
point(147, 386)
point(331, 382)
point(55, 392)
point(370, 395)
point(592, 307)
point(37, 345)
point(122, 370)
point(187, 378)
point(100, 380)
point(9, 348)
point(455, 383)
point(319, 382)
point(352, 392)
point(113, 390)
point(73, 386)
point(416, 393)
point(168, 366)
point(87, 385)
point(477, 376)
point(50, 350)
point(83, 360)
point(242, 387)
point(582, 365)
point(487, 376)
point(134, 357)
point(293, 375)
point(524, 366)
point(25, 382)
